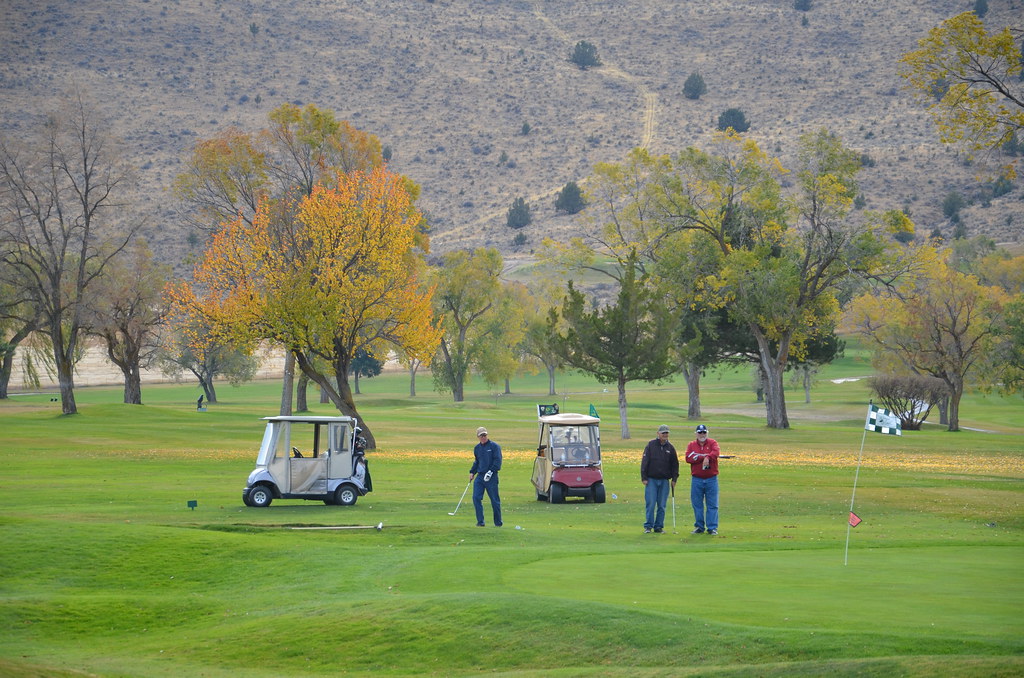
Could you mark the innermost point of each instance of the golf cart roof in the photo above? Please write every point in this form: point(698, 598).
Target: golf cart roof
point(310, 419)
point(568, 419)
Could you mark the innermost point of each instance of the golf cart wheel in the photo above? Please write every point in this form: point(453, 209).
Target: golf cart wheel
point(260, 496)
point(556, 494)
point(598, 493)
point(345, 495)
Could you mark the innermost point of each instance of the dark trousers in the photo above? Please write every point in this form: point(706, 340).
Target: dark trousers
point(491, 486)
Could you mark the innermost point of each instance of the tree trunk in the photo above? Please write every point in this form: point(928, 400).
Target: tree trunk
point(944, 410)
point(324, 398)
point(7, 363)
point(551, 380)
point(623, 418)
point(807, 384)
point(413, 366)
point(301, 394)
point(65, 370)
point(356, 379)
point(287, 383)
point(508, 387)
point(210, 390)
point(956, 392)
point(691, 373)
point(773, 369)
point(132, 384)
point(6, 368)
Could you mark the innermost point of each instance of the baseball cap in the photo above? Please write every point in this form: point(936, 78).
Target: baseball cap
point(663, 429)
point(702, 429)
point(481, 432)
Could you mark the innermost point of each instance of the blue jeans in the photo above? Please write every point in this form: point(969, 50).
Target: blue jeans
point(704, 492)
point(655, 496)
point(492, 493)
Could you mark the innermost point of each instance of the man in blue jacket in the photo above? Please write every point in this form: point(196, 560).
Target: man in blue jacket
point(484, 473)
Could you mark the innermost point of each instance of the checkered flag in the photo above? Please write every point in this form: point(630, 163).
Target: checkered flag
point(883, 421)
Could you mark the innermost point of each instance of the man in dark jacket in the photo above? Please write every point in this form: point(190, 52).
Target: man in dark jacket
point(659, 471)
point(486, 464)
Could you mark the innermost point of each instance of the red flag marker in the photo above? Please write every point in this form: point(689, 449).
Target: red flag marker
point(854, 519)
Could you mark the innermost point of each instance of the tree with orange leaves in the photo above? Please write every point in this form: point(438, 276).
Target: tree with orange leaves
point(341, 275)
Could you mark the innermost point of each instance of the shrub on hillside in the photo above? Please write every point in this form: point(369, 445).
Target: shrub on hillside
point(519, 214)
point(694, 86)
point(570, 199)
point(735, 119)
point(584, 55)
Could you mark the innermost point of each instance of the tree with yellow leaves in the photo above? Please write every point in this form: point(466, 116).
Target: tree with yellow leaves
point(339, 276)
point(969, 78)
point(941, 323)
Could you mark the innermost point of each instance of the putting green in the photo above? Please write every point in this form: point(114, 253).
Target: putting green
point(967, 591)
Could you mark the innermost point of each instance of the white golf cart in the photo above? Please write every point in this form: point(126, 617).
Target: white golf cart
point(318, 458)
point(568, 462)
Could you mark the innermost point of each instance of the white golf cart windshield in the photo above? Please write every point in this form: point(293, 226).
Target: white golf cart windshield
point(575, 444)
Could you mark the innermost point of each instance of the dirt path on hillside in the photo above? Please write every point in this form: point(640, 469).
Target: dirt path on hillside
point(649, 124)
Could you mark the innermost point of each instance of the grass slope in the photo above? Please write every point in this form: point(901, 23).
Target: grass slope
point(108, 572)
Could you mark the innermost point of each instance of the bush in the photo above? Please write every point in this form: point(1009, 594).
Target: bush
point(694, 86)
point(584, 55)
point(802, 5)
point(519, 240)
point(909, 397)
point(519, 214)
point(735, 119)
point(951, 206)
point(570, 199)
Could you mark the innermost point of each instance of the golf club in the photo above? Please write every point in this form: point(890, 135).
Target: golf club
point(674, 509)
point(461, 498)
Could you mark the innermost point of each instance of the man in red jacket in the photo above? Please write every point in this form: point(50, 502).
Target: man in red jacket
point(702, 455)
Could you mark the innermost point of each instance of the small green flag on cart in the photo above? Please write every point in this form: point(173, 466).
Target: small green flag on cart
point(593, 411)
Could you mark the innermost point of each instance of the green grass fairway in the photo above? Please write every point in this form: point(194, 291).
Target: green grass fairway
point(106, 570)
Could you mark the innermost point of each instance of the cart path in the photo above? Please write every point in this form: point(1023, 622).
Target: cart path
point(649, 117)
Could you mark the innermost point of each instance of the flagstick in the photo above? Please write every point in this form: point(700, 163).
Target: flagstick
point(853, 495)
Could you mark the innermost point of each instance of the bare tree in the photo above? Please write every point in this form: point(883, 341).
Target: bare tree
point(60, 224)
point(127, 311)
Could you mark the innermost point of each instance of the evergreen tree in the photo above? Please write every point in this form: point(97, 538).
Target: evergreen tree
point(694, 86)
point(570, 199)
point(625, 341)
point(364, 365)
point(735, 119)
point(584, 55)
point(519, 214)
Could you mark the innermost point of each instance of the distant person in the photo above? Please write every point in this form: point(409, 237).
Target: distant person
point(659, 471)
point(484, 476)
point(199, 403)
point(702, 455)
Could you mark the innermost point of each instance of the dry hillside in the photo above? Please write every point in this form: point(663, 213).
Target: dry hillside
point(448, 86)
